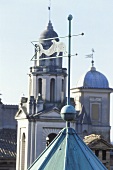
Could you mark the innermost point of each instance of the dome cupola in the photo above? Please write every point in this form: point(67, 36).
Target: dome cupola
point(93, 79)
point(48, 33)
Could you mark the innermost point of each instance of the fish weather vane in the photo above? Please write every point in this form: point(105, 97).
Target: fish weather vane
point(55, 47)
point(91, 56)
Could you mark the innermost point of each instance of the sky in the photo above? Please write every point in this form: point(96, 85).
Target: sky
point(23, 21)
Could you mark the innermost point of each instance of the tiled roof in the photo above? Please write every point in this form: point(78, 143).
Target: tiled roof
point(93, 139)
point(8, 143)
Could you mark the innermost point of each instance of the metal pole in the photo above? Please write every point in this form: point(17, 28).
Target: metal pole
point(70, 17)
point(69, 57)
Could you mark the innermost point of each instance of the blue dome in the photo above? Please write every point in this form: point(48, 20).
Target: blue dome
point(93, 79)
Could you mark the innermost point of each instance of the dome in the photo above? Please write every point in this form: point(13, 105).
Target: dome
point(48, 33)
point(93, 79)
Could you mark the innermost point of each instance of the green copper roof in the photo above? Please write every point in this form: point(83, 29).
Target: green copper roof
point(67, 152)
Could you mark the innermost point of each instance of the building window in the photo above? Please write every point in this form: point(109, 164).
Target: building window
point(52, 90)
point(40, 86)
point(95, 111)
point(97, 153)
point(30, 86)
point(23, 152)
point(50, 138)
point(85, 133)
point(62, 85)
point(104, 155)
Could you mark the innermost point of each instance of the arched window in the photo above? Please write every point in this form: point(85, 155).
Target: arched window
point(23, 152)
point(40, 86)
point(85, 133)
point(52, 90)
point(50, 138)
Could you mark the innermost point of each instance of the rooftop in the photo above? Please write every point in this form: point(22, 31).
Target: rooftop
point(8, 143)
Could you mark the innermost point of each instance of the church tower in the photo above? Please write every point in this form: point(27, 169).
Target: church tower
point(47, 78)
point(92, 98)
point(38, 116)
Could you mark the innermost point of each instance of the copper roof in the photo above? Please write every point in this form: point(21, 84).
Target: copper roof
point(67, 152)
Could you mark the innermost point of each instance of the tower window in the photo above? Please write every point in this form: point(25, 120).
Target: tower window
point(62, 85)
point(40, 86)
point(95, 111)
point(52, 90)
point(51, 62)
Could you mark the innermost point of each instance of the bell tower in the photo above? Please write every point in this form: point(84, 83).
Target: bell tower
point(47, 78)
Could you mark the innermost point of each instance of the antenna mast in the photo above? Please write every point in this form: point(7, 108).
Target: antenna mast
point(49, 8)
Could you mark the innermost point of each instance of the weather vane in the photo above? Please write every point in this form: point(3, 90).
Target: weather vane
point(56, 47)
point(49, 8)
point(91, 56)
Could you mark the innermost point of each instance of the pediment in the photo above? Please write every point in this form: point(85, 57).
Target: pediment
point(52, 114)
point(21, 114)
point(101, 144)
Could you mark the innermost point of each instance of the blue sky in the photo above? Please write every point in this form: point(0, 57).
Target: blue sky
point(23, 21)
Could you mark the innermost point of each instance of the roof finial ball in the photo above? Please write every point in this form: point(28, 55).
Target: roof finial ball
point(68, 113)
point(70, 17)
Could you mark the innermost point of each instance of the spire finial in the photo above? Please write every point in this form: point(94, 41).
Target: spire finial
point(91, 56)
point(49, 8)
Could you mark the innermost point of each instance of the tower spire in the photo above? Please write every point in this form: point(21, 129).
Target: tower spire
point(49, 9)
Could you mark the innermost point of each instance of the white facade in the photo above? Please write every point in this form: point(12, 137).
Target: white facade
point(38, 118)
point(33, 133)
